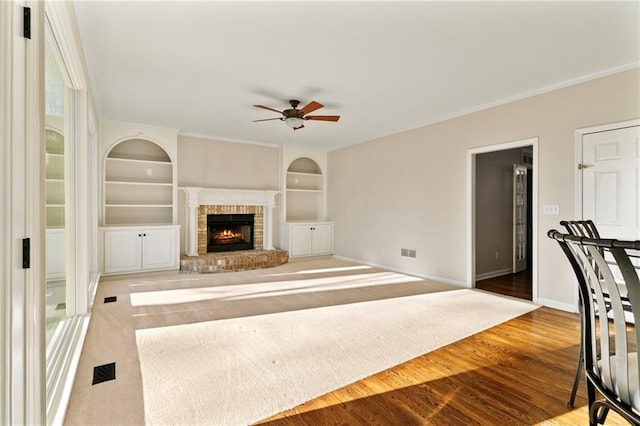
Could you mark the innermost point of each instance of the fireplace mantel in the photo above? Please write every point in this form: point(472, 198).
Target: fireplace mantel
point(196, 197)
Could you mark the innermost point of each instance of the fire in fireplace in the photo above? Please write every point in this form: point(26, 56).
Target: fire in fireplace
point(229, 232)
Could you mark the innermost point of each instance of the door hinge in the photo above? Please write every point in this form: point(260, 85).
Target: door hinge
point(26, 25)
point(584, 166)
point(26, 253)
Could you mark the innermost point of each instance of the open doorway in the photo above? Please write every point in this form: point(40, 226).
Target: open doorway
point(502, 202)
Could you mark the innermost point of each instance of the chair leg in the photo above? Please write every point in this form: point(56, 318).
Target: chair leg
point(576, 381)
point(591, 403)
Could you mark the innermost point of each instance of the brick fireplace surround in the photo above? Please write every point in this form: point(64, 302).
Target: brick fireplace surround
point(203, 201)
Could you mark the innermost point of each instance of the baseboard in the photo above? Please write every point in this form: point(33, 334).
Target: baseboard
point(567, 307)
point(403, 271)
point(93, 288)
point(493, 274)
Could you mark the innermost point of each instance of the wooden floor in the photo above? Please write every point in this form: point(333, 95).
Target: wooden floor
point(518, 373)
point(516, 285)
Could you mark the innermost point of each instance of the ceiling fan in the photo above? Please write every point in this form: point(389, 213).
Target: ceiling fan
point(295, 118)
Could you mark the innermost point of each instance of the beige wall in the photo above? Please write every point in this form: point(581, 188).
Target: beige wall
point(216, 164)
point(409, 189)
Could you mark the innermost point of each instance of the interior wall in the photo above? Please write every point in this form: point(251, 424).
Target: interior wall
point(216, 164)
point(494, 211)
point(409, 189)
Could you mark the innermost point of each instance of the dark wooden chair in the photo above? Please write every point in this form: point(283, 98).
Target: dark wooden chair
point(608, 341)
point(587, 228)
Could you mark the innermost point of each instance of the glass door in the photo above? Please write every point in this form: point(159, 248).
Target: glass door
point(57, 120)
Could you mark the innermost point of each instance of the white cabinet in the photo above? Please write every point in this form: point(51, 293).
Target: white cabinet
point(55, 254)
point(142, 248)
point(309, 238)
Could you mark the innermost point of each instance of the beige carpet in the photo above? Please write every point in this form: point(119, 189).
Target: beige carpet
point(272, 344)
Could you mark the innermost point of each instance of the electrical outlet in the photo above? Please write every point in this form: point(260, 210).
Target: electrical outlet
point(149, 172)
point(551, 209)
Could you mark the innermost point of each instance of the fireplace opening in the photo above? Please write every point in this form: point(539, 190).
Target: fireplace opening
point(229, 232)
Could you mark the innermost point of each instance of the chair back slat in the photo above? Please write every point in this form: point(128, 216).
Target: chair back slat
point(603, 267)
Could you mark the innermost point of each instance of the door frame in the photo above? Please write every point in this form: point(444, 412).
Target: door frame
point(22, 297)
point(579, 134)
point(471, 208)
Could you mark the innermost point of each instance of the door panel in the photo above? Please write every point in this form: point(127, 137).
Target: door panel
point(611, 182)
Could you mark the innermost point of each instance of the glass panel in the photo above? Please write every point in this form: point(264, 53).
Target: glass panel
point(55, 119)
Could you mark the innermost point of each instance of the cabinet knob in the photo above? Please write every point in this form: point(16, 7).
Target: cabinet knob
point(144, 235)
point(139, 235)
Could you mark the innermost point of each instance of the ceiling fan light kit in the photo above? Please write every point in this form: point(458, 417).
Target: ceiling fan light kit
point(295, 118)
point(293, 122)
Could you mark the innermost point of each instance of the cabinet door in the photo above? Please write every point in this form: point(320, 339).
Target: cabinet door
point(159, 248)
point(322, 238)
point(301, 240)
point(122, 251)
point(55, 254)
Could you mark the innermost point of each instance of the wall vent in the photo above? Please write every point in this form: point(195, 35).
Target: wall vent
point(110, 299)
point(406, 252)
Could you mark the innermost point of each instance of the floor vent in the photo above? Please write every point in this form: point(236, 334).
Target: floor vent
point(110, 299)
point(104, 373)
point(61, 306)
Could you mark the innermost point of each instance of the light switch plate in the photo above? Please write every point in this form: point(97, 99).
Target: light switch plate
point(551, 209)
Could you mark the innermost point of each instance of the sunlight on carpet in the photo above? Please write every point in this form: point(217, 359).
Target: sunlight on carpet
point(261, 289)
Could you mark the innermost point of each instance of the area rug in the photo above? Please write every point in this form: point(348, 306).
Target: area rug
point(237, 371)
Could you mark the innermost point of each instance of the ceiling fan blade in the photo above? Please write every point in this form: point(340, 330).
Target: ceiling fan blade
point(268, 119)
point(323, 117)
point(310, 107)
point(269, 109)
point(298, 128)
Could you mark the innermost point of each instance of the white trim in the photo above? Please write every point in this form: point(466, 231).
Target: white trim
point(62, 369)
point(402, 271)
point(471, 192)
point(6, 32)
point(493, 274)
point(567, 307)
point(93, 288)
point(59, 17)
point(225, 139)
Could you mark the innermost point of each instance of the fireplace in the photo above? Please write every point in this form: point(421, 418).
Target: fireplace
point(229, 232)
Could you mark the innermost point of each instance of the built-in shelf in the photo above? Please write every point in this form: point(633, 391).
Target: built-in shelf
point(139, 184)
point(304, 189)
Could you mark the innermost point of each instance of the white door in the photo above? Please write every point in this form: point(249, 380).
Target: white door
point(611, 182)
point(322, 238)
point(301, 240)
point(519, 218)
point(122, 250)
point(159, 248)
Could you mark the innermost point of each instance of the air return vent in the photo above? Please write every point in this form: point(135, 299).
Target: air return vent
point(110, 299)
point(104, 373)
point(406, 252)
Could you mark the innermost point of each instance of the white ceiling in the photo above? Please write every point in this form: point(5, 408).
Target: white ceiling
point(384, 67)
